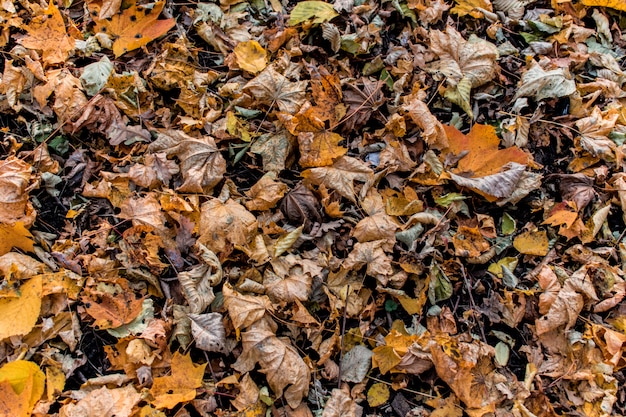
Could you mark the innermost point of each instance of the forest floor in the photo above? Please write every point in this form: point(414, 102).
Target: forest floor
point(397, 208)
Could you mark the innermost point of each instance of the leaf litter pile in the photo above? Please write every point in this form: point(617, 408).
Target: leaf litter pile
point(397, 208)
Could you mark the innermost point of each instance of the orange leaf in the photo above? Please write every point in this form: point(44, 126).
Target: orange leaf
point(47, 33)
point(135, 27)
point(21, 386)
point(481, 148)
point(15, 236)
point(180, 386)
point(115, 310)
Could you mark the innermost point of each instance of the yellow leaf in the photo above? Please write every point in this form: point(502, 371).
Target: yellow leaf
point(15, 236)
point(19, 315)
point(613, 4)
point(316, 11)
point(378, 394)
point(55, 382)
point(532, 243)
point(251, 56)
point(180, 386)
point(468, 7)
point(21, 386)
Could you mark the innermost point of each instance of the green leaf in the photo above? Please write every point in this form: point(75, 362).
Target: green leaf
point(440, 287)
point(315, 11)
point(508, 224)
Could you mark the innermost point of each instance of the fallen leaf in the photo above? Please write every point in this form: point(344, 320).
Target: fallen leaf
point(245, 310)
point(286, 372)
point(171, 390)
point(378, 394)
point(532, 243)
point(341, 405)
point(47, 33)
point(19, 314)
point(541, 84)
point(465, 64)
point(15, 183)
point(15, 236)
point(105, 402)
point(208, 332)
point(134, 27)
point(201, 163)
point(197, 284)
point(143, 211)
point(21, 386)
point(274, 89)
point(313, 11)
point(469, 7)
point(340, 176)
point(114, 309)
point(265, 193)
point(250, 56)
point(223, 223)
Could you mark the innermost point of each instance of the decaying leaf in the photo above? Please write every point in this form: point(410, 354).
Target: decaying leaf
point(208, 332)
point(275, 90)
point(134, 27)
point(197, 284)
point(286, 372)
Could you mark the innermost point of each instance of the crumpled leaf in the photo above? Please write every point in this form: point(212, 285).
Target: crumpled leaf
point(286, 372)
point(266, 193)
point(208, 332)
point(223, 223)
point(341, 405)
point(541, 84)
point(171, 390)
point(21, 386)
point(565, 308)
point(275, 90)
point(105, 402)
point(245, 310)
point(15, 183)
point(340, 176)
point(197, 284)
point(465, 64)
point(143, 211)
point(290, 278)
point(372, 255)
point(201, 163)
point(134, 27)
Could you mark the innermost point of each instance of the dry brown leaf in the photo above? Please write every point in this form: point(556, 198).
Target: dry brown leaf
point(201, 164)
point(275, 90)
point(291, 278)
point(286, 372)
point(341, 405)
point(197, 284)
point(245, 310)
point(208, 332)
point(372, 255)
point(105, 402)
point(15, 183)
point(143, 211)
point(266, 193)
point(223, 223)
point(340, 176)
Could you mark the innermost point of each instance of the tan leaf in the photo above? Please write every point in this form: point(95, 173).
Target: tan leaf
point(594, 131)
point(223, 223)
point(432, 129)
point(291, 278)
point(286, 372)
point(372, 255)
point(340, 176)
point(319, 148)
point(341, 405)
point(541, 84)
point(266, 193)
point(208, 331)
point(201, 164)
point(564, 310)
point(376, 227)
point(143, 211)
point(197, 284)
point(274, 89)
point(473, 60)
point(245, 310)
point(105, 402)
point(15, 183)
